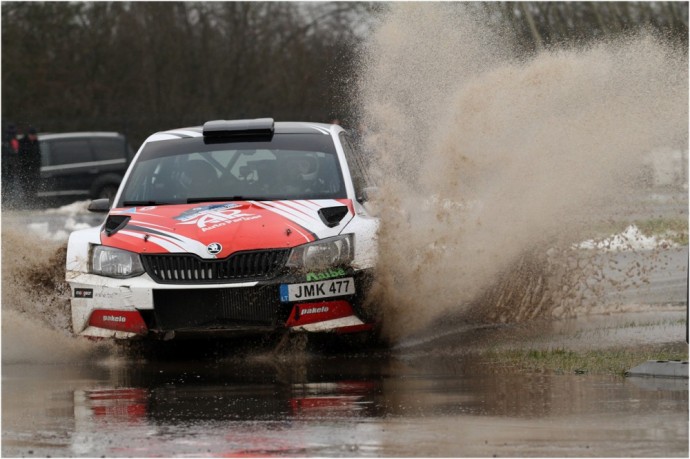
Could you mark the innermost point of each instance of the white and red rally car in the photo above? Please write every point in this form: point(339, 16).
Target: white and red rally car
point(244, 226)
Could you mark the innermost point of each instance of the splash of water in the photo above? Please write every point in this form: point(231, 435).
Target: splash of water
point(35, 304)
point(482, 157)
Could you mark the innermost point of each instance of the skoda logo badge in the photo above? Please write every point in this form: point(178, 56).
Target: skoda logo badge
point(214, 248)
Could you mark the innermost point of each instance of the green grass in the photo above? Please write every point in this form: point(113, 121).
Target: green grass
point(562, 361)
point(675, 229)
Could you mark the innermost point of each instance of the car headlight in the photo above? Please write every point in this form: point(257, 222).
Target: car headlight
point(112, 262)
point(323, 254)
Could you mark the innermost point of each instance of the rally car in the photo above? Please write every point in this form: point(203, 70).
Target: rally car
point(242, 226)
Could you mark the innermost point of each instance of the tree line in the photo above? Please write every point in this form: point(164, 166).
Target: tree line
point(539, 25)
point(143, 66)
point(137, 67)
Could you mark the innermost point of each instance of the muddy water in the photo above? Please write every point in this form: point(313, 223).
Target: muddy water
point(483, 155)
point(334, 406)
point(427, 396)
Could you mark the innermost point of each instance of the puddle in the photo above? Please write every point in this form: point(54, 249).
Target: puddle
point(333, 406)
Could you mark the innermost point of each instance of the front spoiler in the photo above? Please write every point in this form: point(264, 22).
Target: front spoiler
point(120, 303)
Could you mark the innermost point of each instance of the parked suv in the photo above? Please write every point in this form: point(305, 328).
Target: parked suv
point(83, 164)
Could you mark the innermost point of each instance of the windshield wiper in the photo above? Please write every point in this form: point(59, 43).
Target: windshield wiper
point(226, 198)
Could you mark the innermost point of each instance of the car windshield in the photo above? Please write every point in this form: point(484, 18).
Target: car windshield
point(288, 166)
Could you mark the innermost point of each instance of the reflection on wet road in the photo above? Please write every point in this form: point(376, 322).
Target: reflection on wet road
point(334, 406)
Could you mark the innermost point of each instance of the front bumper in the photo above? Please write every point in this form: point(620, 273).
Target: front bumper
point(141, 308)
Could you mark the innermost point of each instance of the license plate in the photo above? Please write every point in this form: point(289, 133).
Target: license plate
point(316, 290)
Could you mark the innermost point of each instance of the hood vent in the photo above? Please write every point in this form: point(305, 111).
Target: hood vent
point(331, 216)
point(115, 223)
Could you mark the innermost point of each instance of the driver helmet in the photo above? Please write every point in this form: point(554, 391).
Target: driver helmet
point(309, 168)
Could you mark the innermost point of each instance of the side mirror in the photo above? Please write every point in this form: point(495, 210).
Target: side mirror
point(99, 205)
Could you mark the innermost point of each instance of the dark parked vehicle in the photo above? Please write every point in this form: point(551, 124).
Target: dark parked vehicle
point(83, 164)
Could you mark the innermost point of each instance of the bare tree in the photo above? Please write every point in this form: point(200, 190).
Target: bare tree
point(142, 66)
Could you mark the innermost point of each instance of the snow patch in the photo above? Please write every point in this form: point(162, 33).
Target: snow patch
point(78, 207)
point(43, 229)
point(59, 222)
point(630, 239)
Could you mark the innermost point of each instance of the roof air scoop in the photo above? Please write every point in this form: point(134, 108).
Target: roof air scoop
point(238, 128)
point(331, 216)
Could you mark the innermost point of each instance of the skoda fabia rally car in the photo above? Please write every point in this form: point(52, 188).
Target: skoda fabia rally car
point(245, 226)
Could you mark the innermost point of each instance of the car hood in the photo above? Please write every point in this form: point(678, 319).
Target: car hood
point(218, 229)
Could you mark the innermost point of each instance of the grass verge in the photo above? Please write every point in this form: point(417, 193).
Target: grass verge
point(672, 229)
point(604, 361)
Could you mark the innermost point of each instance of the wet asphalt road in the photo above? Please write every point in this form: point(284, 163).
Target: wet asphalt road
point(424, 398)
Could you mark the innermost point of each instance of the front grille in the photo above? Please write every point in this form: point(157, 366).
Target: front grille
point(190, 269)
point(216, 307)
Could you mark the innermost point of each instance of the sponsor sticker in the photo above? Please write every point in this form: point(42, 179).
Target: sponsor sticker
point(112, 318)
point(318, 310)
point(214, 216)
point(201, 210)
point(315, 290)
point(83, 293)
point(330, 274)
